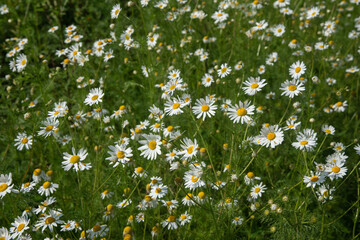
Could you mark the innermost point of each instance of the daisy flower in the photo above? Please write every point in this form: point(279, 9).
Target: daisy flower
point(250, 178)
point(94, 97)
point(339, 106)
point(207, 80)
point(49, 220)
point(297, 69)
point(171, 204)
point(21, 62)
point(184, 218)
point(6, 185)
point(325, 193)
point(271, 136)
point(44, 205)
point(204, 108)
point(115, 11)
point(305, 140)
point(139, 172)
point(237, 221)
point(74, 160)
point(253, 85)
point(190, 148)
point(257, 190)
point(328, 129)
point(158, 191)
point(119, 154)
point(314, 179)
point(188, 200)
point(150, 148)
point(106, 194)
point(170, 223)
point(336, 170)
point(292, 88)
point(278, 30)
point(20, 225)
point(47, 188)
point(240, 112)
point(50, 127)
point(357, 149)
point(4, 234)
point(312, 13)
point(22, 140)
point(27, 187)
point(193, 181)
point(224, 70)
point(338, 147)
point(173, 106)
point(97, 231)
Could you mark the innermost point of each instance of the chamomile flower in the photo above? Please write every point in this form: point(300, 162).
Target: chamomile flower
point(173, 106)
point(150, 148)
point(257, 190)
point(22, 140)
point(328, 129)
point(50, 127)
point(171, 204)
point(312, 13)
point(170, 223)
point(106, 194)
point(115, 11)
point(314, 179)
point(207, 80)
point(53, 29)
point(271, 136)
point(250, 178)
point(94, 97)
point(139, 172)
point(19, 226)
point(193, 181)
point(4, 233)
point(119, 154)
point(27, 187)
point(241, 112)
point(21, 62)
point(189, 148)
point(6, 185)
point(184, 218)
point(204, 108)
point(336, 170)
point(158, 191)
point(297, 69)
point(237, 221)
point(340, 106)
point(292, 88)
point(97, 230)
point(49, 220)
point(224, 70)
point(74, 160)
point(47, 188)
point(253, 85)
point(188, 200)
point(325, 193)
point(305, 140)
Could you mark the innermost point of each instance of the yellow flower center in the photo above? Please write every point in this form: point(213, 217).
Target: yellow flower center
point(201, 195)
point(241, 112)
point(335, 169)
point(117, 11)
point(304, 142)
point(292, 88)
point(326, 193)
point(21, 227)
point(271, 136)
point(147, 198)
point(23, 62)
point(339, 104)
point(139, 169)
point(3, 187)
point(171, 219)
point(170, 128)
point(257, 190)
point(49, 128)
point(172, 154)
point(183, 217)
point(254, 85)
point(49, 220)
point(250, 174)
point(67, 225)
point(172, 87)
point(176, 105)
point(190, 149)
point(314, 178)
point(74, 159)
point(120, 154)
point(327, 131)
point(24, 140)
point(93, 98)
point(205, 108)
point(157, 125)
point(137, 130)
point(189, 196)
point(194, 179)
point(46, 185)
point(96, 228)
point(297, 69)
point(152, 145)
point(158, 190)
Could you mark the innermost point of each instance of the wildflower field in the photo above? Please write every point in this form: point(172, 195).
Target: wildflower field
point(179, 119)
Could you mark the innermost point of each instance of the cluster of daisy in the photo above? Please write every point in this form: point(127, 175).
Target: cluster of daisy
point(18, 60)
